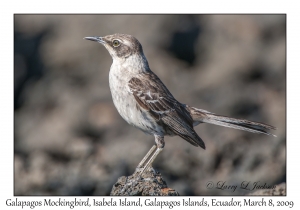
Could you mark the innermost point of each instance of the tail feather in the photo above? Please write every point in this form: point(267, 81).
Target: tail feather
point(200, 116)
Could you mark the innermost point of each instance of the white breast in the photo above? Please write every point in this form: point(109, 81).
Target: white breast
point(125, 102)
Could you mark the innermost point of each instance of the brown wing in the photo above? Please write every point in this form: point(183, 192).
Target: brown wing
point(152, 96)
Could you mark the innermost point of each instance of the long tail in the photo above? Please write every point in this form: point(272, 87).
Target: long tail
point(202, 116)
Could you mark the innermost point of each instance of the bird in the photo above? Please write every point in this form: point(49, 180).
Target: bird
point(145, 102)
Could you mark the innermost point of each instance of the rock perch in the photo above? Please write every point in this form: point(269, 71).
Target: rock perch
point(151, 183)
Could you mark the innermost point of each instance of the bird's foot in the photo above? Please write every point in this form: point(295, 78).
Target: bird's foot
point(140, 171)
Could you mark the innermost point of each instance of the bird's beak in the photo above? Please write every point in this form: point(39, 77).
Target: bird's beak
point(95, 39)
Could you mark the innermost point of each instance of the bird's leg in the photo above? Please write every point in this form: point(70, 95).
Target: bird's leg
point(139, 169)
point(150, 152)
point(160, 145)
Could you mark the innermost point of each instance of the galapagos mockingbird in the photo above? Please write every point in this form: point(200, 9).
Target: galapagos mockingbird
point(145, 102)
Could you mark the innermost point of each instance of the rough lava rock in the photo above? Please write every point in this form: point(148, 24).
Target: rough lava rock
point(151, 183)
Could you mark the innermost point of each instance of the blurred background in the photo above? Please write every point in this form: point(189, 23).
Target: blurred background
point(70, 140)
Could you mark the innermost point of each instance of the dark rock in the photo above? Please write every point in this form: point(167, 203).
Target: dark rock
point(151, 183)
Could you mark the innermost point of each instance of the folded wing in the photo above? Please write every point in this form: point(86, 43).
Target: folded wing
point(152, 96)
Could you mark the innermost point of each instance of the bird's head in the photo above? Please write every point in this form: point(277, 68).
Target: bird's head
point(119, 46)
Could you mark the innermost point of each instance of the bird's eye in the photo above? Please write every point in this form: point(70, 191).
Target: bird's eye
point(116, 43)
